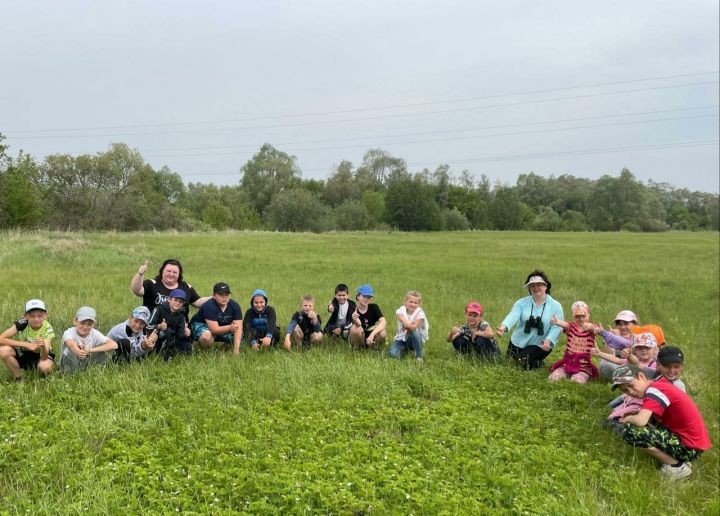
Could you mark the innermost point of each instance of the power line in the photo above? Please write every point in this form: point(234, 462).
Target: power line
point(352, 120)
point(430, 133)
point(511, 157)
point(457, 138)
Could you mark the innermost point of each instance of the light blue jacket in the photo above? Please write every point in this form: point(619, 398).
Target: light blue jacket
point(520, 313)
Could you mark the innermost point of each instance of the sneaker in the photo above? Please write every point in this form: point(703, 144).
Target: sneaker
point(419, 360)
point(682, 471)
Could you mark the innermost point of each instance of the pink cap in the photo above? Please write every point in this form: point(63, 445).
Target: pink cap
point(627, 316)
point(580, 308)
point(644, 339)
point(474, 306)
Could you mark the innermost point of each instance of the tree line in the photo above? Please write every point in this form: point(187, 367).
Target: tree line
point(118, 190)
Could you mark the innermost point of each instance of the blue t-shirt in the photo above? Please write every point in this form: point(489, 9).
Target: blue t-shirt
point(210, 311)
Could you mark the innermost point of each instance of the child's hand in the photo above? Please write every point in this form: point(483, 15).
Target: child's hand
point(625, 352)
point(151, 340)
point(356, 316)
point(266, 341)
point(235, 326)
point(312, 315)
point(81, 353)
point(162, 326)
point(595, 351)
point(187, 331)
point(255, 346)
point(501, 330)
point(553, 320)
point(454, 332)
point(287, 343)
point(331, 308)
point(546, 345)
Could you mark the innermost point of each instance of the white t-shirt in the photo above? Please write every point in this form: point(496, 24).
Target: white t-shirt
point(68, 359)
point(423, 329)
point(342, 313)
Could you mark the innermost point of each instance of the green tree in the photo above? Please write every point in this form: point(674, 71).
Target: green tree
point(454, 220)
point(21, 203)
point(410, 204)
point(375, 204)
point(547, 219)
point(298, 210)
point(217, 216)
point(341, 185)
point(268, 173)
point(507, 212)
point(352, 215)
point(377, 167)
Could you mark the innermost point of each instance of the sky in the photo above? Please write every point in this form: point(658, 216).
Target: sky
point(494, 88)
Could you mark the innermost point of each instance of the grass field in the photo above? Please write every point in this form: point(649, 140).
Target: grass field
point(335, 431)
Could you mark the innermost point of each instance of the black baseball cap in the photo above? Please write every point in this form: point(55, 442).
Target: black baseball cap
point(670, 355)
point(221, 288)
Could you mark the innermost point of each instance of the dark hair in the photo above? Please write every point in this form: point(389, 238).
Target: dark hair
point(540, 273)
point(342, 287)
point(170, 261)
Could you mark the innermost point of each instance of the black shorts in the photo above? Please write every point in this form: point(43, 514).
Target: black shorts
point(28, 360)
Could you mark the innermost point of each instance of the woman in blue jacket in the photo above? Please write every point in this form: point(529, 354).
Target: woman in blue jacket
point(534, 337)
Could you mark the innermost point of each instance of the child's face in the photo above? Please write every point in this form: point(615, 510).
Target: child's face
point(258, 303)
point(623, 327)
point(341, 297)
point(35, 318)
point(136, 325)
point(222, 299)
point(671, 371)
point(411, 303)
point(308, 306)
point(580, 318)
point(176, 303)
point(472, 318)
point(643, 353)
point(364, 300)
point(636, 388)
point(83, 328)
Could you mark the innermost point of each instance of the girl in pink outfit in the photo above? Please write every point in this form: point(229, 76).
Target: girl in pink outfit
point(576, 363)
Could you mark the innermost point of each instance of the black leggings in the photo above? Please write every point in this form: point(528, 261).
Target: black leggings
point(530, 357)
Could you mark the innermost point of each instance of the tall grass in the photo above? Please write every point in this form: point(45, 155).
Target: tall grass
point(332, 430)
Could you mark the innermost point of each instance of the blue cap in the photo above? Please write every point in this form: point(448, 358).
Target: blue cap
point(179, 293)
point(365, 290)
point(259, 292)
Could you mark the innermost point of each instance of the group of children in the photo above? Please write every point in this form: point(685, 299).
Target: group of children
point(654, 413)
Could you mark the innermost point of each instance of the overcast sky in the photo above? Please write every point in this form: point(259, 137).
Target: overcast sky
point(497, 88)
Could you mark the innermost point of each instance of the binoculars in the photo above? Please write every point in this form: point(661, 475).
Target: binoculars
point(534, 322)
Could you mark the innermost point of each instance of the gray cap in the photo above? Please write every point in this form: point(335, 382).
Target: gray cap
point(86, 313)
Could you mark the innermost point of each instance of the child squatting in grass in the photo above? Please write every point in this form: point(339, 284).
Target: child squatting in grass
point(369, 324)
point(677, 435)
point(219, 319)
point(82, 344)
point(412, 327)
point(31, 346)
point(305, 327)
point(340, 309)
point(476, 336)
point(260, 328)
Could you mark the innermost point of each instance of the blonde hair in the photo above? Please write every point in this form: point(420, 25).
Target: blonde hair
point(413, 293)
point(308, 298)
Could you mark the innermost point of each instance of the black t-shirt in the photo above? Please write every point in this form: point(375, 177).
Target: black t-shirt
point(156, 293)
point(369, 318)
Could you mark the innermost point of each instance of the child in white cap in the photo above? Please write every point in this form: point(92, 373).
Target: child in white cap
point(83, 344)
point(27, 344)
point(576, 363)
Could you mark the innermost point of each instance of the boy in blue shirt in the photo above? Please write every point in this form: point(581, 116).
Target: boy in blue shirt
point(218, 320)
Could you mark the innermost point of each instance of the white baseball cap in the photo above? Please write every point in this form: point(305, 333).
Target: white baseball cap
point(35, 304)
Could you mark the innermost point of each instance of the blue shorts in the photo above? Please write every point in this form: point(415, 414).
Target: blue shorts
point(198, 328)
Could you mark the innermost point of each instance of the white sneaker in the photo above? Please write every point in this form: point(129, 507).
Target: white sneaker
point(682, 471)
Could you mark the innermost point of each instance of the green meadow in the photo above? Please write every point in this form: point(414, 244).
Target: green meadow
point(330, 430)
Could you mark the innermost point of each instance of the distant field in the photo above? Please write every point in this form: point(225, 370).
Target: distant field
point(331, 430)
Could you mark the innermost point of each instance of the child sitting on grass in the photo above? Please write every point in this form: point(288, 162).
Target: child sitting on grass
point(369, 323)
point(476, 336)
point(412, 327)
point(219, 319)
point(82, 344)
point(670, 365)
point(176, 334)
point(260, 322)
point(577, 360)
point(31, 347)
point(677, 435)
point(340, 309)
point(130, 336)
point(642, 356)
point(305, 327)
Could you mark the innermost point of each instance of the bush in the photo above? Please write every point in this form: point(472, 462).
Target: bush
point(298, 210)
point(352, 216)
point(455, 221)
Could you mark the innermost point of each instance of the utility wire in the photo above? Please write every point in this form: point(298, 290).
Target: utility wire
point(349, 120)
